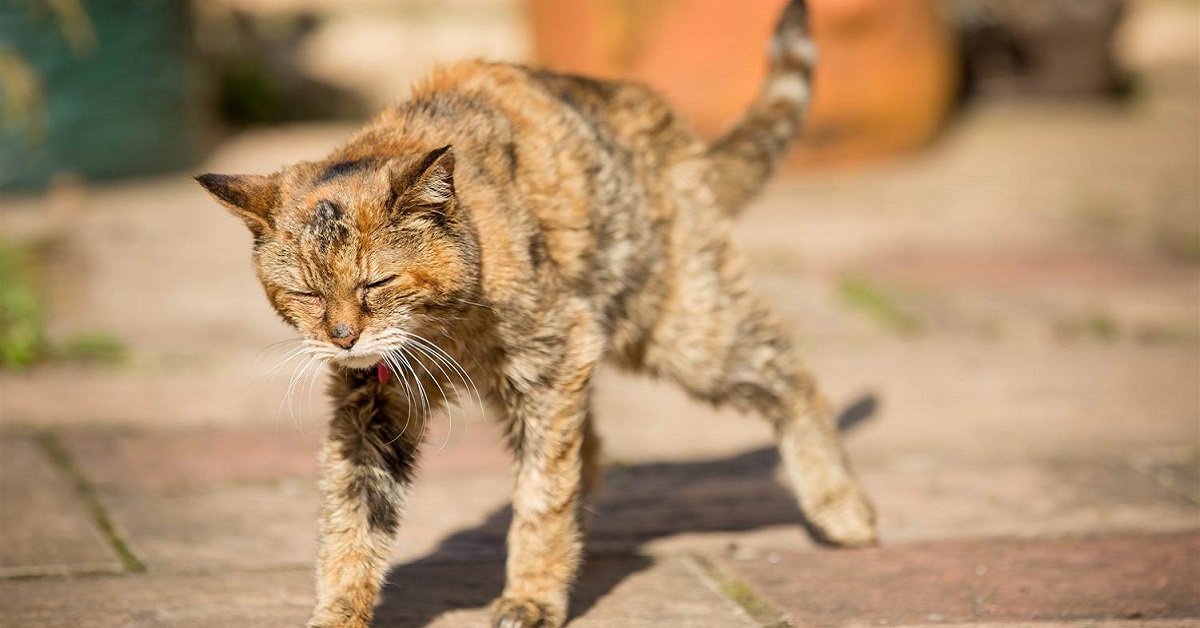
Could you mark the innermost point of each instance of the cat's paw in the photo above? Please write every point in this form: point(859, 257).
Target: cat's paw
point(525, 613)
point(846, 519)
point(330, 620)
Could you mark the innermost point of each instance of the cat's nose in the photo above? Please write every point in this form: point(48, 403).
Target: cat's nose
point(344, 335)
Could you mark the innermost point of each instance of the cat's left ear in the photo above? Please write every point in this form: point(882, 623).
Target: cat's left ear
point(251, 197)
point(429, 182)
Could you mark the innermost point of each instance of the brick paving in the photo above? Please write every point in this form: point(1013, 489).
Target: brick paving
point(1032, 440)
point(1146, 576)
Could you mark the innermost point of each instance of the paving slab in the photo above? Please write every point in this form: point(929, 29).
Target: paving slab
point(927, 498)
point(632, 592)
point(182, 456)
point(175, 458)
point(1124, 577)
point(45, 526)
point(246, 498)
point(180, 396)
point(250, 526)
point(259, 525)
point(985, 401)
point(670, 592)
point(262, 600)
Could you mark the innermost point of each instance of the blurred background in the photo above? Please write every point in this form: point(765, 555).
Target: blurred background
point(988, 241)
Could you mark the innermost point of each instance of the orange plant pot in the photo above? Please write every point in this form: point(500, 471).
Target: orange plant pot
point(885, 82)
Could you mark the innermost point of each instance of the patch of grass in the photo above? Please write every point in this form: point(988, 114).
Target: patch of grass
point(23, 339)
point(864, 295)
point(22, 325)
point(1101, 326)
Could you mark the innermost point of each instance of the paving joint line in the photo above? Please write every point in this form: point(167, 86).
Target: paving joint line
point(60, 572)
point(759, 610)
point(54, 450)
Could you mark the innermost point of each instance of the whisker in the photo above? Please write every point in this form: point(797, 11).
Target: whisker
point(287, 396)
point(449, 414)
point(465, 349)
point(468, 302)
point(262, 353)
point(312, 382)
point(420, 387)
point(445, 398)
point(402, 376)
point(427, 411)
point(444, 357)
point(309, 369)
point(284, 361)
point(408, 375)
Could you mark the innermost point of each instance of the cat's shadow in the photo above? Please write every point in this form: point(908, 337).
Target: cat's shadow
point(636, 504)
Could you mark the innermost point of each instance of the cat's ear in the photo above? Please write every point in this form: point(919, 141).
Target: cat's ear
point(428, 182)
point(251, 197)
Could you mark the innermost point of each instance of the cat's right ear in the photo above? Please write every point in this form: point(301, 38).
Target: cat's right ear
point(251, 197)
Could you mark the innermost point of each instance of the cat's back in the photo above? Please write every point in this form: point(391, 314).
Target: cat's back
point(542, 102)
point(583, 157)
point(565, 126)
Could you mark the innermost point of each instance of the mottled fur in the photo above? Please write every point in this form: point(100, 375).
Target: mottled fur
point(524, 226)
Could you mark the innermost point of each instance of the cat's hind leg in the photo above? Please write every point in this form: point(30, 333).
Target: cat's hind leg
point(725, 347)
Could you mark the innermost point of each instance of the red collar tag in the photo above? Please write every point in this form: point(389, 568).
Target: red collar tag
point(383, 373)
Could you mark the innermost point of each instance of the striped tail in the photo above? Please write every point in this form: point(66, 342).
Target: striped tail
point(749, 153)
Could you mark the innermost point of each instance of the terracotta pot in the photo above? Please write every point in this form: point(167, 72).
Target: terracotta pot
point(885, 82)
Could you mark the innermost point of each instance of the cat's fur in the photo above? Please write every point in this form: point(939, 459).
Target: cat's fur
point(530, 225)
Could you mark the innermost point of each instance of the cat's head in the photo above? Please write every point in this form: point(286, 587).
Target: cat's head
point(358, 255)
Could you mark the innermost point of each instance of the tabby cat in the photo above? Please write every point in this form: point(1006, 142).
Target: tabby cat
point(517, 227)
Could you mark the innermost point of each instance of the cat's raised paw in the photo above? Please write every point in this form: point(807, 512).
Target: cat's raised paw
point(525, 613)
point(845, 520)
point(325, 621)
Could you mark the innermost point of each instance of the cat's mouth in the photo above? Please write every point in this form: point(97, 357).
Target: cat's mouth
point(360, 361)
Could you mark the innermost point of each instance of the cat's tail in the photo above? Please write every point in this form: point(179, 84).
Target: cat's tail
point(745, 157)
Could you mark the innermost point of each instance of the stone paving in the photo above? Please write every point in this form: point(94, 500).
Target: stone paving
point(1008, 323)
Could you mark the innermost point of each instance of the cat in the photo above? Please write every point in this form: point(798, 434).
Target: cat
point(511, 229)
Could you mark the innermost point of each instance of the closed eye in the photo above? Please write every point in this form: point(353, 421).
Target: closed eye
point(379, 284)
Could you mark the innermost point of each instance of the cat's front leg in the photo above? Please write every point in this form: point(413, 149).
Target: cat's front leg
point(545, 541)
point(367, 462)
